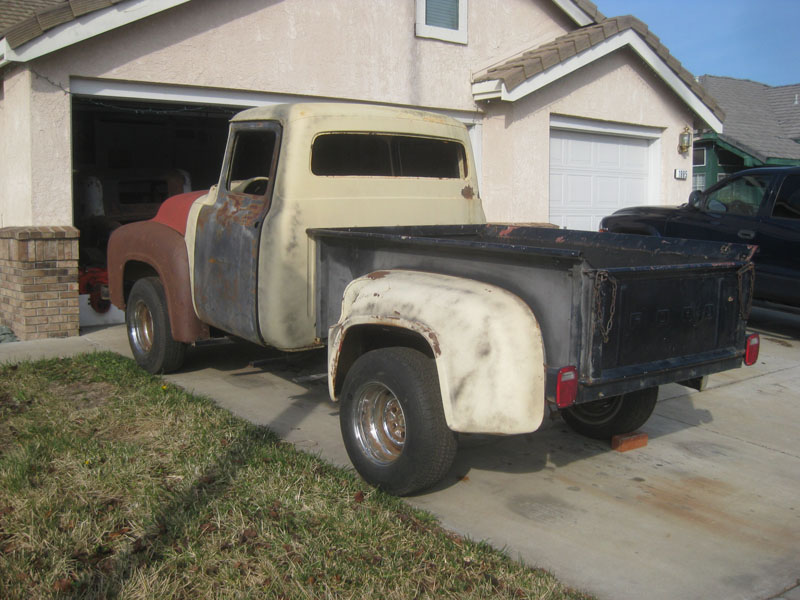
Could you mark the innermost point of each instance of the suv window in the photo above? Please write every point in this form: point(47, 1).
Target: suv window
point(742, 196)
point(787, 205)
point(383, 155)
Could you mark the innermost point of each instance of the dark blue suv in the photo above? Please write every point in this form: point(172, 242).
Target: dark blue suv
point(756, 206)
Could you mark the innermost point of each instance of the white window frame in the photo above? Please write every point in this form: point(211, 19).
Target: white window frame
point(456, 36)
point(705, 157)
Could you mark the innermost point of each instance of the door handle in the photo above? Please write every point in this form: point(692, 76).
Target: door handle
point(747, 234)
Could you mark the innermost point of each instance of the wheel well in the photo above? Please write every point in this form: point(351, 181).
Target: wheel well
point(361, 339)
point(135, 270)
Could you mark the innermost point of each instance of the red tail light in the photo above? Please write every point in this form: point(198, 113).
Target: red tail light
point(752, 345)
point(566, 387)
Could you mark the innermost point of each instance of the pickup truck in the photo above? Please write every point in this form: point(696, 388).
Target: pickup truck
point(360, 228)
point(756, 206)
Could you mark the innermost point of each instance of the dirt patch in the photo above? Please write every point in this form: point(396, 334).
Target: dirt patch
point(86, 395)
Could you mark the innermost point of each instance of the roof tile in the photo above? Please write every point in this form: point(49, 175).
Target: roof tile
point(566, 50)
point(23, 32)
point(82, 7)
point(57, 15)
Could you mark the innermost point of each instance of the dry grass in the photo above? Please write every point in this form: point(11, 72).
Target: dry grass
point(114, 484)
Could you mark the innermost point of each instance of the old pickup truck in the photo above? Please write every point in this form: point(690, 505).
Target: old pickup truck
point(360, 227)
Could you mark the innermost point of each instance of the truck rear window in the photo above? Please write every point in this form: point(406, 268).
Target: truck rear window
point(381, 155)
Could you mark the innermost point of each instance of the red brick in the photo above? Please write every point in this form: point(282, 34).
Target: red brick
point(629, 441)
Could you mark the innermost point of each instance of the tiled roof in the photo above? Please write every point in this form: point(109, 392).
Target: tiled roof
point(518, 69)
point(24, 20)
point(760, 119)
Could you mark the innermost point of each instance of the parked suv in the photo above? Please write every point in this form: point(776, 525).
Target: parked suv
point(755, 206)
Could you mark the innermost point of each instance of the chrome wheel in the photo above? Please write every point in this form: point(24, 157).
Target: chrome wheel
point(141, 327)
point(380, 427)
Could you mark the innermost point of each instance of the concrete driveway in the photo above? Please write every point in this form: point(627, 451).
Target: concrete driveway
point(709, 509)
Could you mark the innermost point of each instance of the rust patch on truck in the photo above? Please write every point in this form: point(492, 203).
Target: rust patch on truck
point(468, 192)
point(375, 275)
point(508, 231)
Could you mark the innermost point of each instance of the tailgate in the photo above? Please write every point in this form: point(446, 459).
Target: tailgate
point(665, 323)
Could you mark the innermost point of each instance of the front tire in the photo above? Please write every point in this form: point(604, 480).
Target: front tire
point(393, 423)
point(149, 331)
point(603, 419)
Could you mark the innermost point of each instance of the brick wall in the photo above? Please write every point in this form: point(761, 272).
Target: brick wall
point(39, 281)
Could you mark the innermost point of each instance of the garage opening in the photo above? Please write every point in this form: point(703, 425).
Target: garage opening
point(130, 156)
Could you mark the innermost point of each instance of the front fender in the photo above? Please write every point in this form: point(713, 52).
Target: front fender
point(485, 340)
point(163, 249)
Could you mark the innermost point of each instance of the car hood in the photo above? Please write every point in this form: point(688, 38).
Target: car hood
point(661, 212)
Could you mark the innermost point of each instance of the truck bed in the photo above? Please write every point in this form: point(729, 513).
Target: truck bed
point(628, 311)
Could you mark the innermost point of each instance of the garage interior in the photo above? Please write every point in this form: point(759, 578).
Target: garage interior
point(130, 156)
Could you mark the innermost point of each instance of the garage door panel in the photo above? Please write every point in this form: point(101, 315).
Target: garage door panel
point(592, 175)
point(578, 153)
point(578, 192)
point(633, 192)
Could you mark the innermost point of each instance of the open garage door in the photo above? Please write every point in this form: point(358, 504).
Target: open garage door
point(594, 174)
point(128, 157)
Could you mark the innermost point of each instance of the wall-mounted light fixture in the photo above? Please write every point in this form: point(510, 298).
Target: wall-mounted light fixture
point(684, 141)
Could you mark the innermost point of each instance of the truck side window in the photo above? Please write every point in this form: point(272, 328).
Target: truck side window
point(380, 155)
point(787, 205)
point(742, 196)
point(251, 161)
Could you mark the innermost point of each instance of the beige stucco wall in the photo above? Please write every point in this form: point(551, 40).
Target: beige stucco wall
point(619, 88)
point(15, 145)
point(359, 50)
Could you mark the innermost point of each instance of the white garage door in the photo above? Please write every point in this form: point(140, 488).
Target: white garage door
point(592, 175)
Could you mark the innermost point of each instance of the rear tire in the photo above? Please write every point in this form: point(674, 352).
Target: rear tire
point(393, 423)
point(603, 419)
point(149, 331)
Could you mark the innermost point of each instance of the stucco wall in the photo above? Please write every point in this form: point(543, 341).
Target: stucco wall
point(358, 50)
point(619, 88)
point(15, 145)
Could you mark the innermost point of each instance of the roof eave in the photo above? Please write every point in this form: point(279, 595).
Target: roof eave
point(579, 12)
point(496, 89)
point(82, 28)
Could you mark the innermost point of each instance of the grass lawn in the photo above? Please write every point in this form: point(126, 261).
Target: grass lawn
point(115, 484)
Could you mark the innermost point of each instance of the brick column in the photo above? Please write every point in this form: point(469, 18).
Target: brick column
point(39, 281)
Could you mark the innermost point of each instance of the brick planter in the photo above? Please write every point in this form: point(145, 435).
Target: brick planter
point(39, 281)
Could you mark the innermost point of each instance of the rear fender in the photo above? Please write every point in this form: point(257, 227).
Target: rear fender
point(485, 340)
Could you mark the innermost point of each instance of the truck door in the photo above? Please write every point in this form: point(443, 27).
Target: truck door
point(229, 231)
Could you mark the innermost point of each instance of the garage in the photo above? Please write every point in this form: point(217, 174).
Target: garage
point(593, 174)
point(128, 157)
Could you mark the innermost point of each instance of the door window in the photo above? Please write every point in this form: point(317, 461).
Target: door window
point(251, 162)
point(787, 205)
point(742, 196)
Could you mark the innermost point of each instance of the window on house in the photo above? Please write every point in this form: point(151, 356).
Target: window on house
point(699, 157)
point(698, 181)
point(379, 155)
point(442, 20)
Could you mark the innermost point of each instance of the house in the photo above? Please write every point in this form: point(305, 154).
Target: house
point(762, 127)
point(108, 106)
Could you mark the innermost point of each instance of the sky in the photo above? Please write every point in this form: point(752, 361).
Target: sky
point(746, 39)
